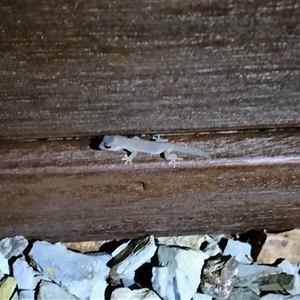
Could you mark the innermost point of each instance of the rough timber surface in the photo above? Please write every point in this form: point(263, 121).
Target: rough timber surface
point(95, 67)
point(63, 190)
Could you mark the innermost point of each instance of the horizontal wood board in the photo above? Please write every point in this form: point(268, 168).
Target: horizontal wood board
point(64, 190)
point(96, 67)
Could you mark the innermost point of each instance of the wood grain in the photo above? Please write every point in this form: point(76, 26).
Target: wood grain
point(97, 67)
point(63, 190)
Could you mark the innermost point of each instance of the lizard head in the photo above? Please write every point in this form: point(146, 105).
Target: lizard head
point(110, 143)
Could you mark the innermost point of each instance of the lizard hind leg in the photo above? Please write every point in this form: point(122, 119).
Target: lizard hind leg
point(128, 159)
point(171, 157)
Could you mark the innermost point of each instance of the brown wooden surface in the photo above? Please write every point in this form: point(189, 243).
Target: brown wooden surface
point(70, 71)
point(63, 190)
point(95, 67)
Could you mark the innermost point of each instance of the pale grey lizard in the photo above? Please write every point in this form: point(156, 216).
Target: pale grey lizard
point(157, 146)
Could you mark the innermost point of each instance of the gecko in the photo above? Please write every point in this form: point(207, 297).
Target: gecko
point(156, 146)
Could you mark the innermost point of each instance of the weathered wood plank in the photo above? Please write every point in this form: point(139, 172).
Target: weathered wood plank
point(63, 190)
point(97, 67)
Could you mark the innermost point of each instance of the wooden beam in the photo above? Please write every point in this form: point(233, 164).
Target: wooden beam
point(63, 190)
point(97, 67)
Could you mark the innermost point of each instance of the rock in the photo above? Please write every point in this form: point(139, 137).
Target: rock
point(279, 297)
point(24, 275)
point(10, 247)
point(194, 242)
point(132, 256)
point(13, 246)
point(239, 250)
point(88, 246)
point(49, 291)
point(191, 241)
point(256, 239)
point(291, 269)
point(219, 276)
point(15, 296)
point(263, 278)
point(26, 295)
point(7, 287)
point(120, 248)
point(243, 294)
point(4, 267)
point(127, 294)
point(98, 290)
point(129, 280)
point(178, 274)
point(70, 269)
point(212, 248)
point(199, 296)
point(284, 245)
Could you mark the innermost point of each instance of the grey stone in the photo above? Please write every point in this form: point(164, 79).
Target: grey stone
point(70, 269)
point(199, 296)
point(178, 275)
point(264, 278)
point(27, 295)
point(25, 275)
point(132, 256)
point(219, 276)
point(239, 250)
point(279, 297)
point(291, 269)
point(50, 291)
point(127, 294)
point(243, 294)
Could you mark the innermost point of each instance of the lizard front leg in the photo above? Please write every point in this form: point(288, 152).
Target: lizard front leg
point(157, 138)
point(128, 159)
point(172, 157)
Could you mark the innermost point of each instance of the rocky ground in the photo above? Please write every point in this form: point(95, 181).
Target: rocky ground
point(250, 266)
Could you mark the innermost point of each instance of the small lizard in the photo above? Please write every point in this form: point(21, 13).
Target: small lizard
point(157, 146)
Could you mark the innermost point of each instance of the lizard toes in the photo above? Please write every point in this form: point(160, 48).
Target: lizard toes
point(173, 163)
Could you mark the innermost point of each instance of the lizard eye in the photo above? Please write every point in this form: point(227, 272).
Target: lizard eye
point(107, 146)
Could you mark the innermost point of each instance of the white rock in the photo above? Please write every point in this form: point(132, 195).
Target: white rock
point(249, 272)
point(27, 295)
point(179, 274)
point(244, 293)
point(98, 290)
point(24, 275)
point(291, 269)
point(129, 280)
point(13, 246)
point(127, 294)
point(199, 296)
point(239, 250)
point(70, 269)
point(4, 267)
point(279, 297)
point(135, 254)
point(15, 296)
point(218, 237)
point(50, 291)
point(263, 278)
point(119, 249)
point(191, 241)
point(9, 247)
point(212, 247)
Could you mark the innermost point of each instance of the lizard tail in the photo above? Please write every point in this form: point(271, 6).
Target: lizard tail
point(188, 149)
